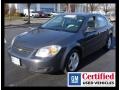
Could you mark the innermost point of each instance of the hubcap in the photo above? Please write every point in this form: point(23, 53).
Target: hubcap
point(73, 61)
point(109, 42)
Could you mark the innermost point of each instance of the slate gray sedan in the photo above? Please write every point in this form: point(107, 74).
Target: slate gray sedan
point(61, 43)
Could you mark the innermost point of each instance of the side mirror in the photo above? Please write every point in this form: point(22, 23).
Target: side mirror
point(90, 29)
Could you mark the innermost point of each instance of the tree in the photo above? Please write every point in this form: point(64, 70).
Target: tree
point(68, 8)
point(28, 6)
point(87, 7)
point(107, 8)
point(12, 11)
point(92, 7)
point(72, 7)
point(6, 8)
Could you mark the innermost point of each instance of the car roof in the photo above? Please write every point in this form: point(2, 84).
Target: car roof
point(81, 14)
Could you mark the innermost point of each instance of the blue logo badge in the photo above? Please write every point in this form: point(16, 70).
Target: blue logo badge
point(73, 79)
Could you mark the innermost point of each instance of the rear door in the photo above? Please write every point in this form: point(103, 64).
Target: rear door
point(101, 27)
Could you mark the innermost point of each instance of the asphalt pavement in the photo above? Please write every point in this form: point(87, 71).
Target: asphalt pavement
point(100, 61)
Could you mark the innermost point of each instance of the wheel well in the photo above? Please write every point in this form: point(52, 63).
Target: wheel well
point(78, 48)
point(80, 53)
point(110, 35)
point(110, 32)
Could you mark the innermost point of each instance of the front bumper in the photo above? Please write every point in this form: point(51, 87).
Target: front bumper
point(43, 65)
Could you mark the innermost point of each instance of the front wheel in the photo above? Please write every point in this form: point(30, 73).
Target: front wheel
point(73, 60)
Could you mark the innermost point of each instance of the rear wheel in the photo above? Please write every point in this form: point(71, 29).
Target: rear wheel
point(73, 60)
point(109, 43)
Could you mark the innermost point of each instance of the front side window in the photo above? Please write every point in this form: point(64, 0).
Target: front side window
point(70, 23)
point(90, 24)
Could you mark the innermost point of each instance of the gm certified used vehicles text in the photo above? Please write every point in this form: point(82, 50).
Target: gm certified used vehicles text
point(61, 42)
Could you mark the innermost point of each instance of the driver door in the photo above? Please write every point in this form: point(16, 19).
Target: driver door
point(91, 37)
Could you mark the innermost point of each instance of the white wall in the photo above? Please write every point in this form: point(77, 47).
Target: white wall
point(41, 6)
point(47, 6)
point(36, 6)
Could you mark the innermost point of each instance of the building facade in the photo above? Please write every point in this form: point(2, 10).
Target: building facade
point(50, 7)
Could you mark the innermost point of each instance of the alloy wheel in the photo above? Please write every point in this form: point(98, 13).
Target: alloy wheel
point(73, 61)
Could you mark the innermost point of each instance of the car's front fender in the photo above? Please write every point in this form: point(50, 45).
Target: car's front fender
point(67, 50)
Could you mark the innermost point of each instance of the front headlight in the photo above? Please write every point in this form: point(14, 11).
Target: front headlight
point(48, 51)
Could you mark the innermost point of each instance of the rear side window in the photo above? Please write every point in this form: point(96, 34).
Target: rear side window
point(100, 22)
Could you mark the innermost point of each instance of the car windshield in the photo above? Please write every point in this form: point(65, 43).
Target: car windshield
point(69, 23)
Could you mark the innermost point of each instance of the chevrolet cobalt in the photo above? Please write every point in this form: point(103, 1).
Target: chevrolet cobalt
point(61, 43)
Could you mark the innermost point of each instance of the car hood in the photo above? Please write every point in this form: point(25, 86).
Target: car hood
point(41, 38)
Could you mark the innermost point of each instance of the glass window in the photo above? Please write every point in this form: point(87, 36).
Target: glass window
point(69, 23)
point(100, 22)
point(91, 22)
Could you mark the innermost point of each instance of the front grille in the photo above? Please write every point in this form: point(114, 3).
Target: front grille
point(24, 51)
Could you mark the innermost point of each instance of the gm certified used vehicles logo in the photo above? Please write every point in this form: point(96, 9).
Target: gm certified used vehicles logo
point(91, 79)
point(61, 43)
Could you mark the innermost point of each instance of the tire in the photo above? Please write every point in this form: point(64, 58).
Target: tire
point(108, 44)
point(32, 16)
point(69, 63)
